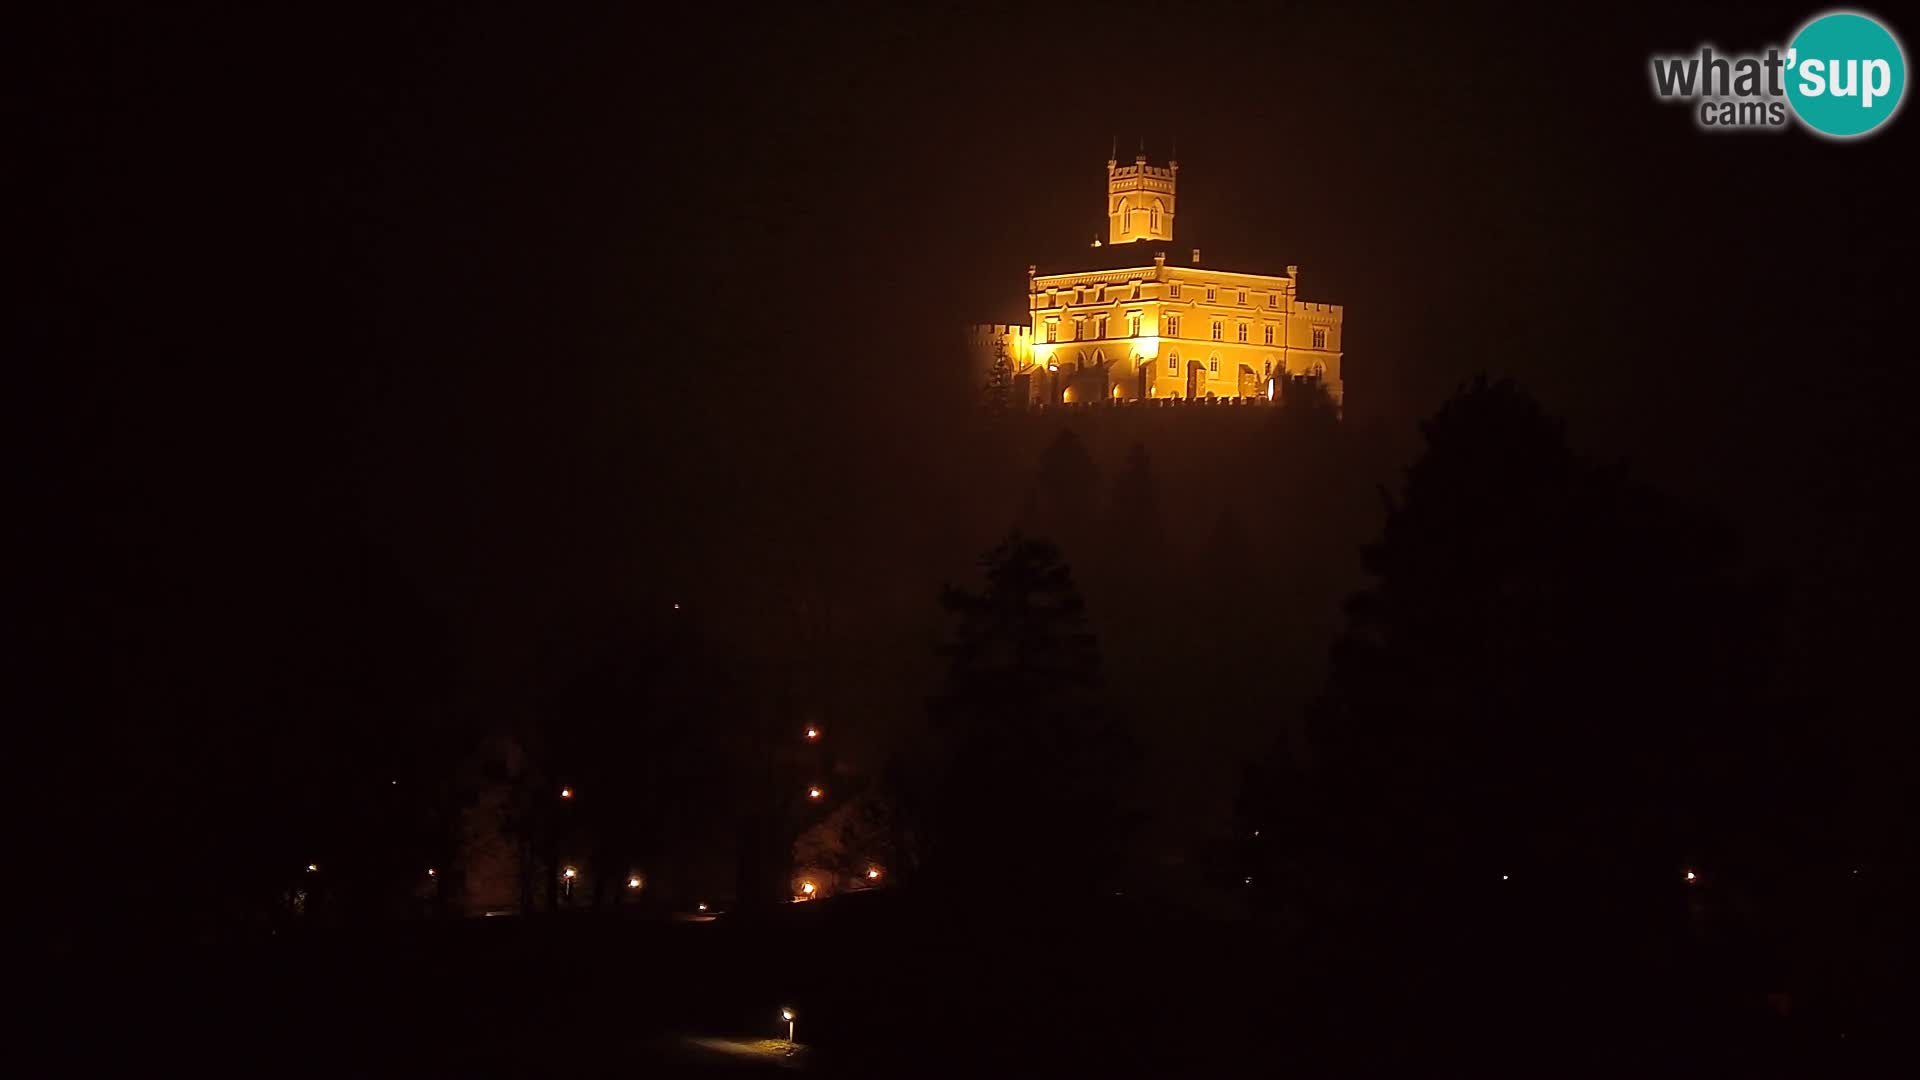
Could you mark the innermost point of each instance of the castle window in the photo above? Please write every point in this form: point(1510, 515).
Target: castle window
point(1079, 329)
point(1243, 298)
point(1173, 361)
point(1210, 294)
point(1267, 333)
point(1216, 330)
point(1213, 366)
point(1155, 216)
point(1133, 324)
point(1053, 329)
point(1173, 326)
point(1100, 327)
point(1273, 299)
point(1136, 291)
point(1173, 292)
point(1319, 337)
point(1242, 332)
point(1079, 296)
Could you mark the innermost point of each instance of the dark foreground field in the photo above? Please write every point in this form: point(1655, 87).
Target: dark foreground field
point(885, 987)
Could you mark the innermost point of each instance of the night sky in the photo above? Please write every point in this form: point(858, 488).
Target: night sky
point(385, 350)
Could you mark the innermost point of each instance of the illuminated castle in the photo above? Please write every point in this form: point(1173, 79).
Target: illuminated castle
point(1124, 322)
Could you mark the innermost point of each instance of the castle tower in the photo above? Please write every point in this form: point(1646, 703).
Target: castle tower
point(1140, 200)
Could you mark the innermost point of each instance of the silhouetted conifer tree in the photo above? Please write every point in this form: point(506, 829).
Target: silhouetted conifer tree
point(1135, 520)
point(1027, 780)
point(999, 389)
point(1066, 490)
point(1548, 679)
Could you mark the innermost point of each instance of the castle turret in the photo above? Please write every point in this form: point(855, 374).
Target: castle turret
point(1140, 200)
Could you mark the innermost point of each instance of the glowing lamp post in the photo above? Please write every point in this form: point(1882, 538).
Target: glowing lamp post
point(633, 883)
point(807, 889)
point(568, 875)
point(873, 873)
point(813, 734)
point(313, 868)
point(815, 792)
point(787, 1015)
point(1692, 878)
point(566, 793)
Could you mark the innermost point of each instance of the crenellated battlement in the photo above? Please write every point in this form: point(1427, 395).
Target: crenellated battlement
point(1153, 172)
point(987, 333)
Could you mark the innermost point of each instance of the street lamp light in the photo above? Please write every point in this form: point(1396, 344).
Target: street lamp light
point(633, 883)
point(813, 733)
point(787, 1015)
point(313, 868)
point(566, 793)
point(873, 873)
point(814, 792)
point(569, 874)
point(807, 888)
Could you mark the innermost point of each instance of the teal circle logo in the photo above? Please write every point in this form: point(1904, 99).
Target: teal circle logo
point(1845, 74)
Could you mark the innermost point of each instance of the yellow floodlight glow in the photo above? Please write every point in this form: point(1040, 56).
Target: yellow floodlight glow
point(814, 792)
point(566, 793)
point(873, 873)
point(570, 873)
point(633, 883)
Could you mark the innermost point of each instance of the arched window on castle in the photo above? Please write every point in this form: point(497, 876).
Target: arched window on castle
point(1319, 337)
point(1173, 361)
point(1155, 216)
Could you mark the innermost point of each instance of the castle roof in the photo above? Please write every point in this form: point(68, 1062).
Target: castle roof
point(1142, 252)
